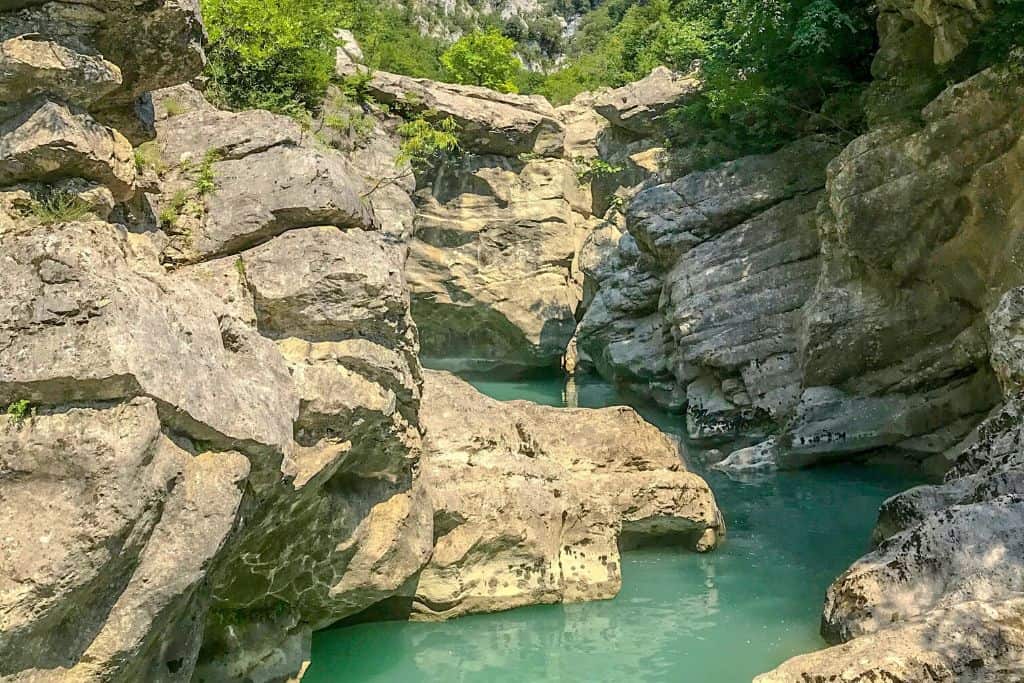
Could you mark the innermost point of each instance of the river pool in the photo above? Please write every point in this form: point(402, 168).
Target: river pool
point(681, 617)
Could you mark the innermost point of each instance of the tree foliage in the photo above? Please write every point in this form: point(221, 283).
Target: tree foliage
point(424, 139)
point(279, 54)
point(484, 58)
point(273, 54)
point(776, 69)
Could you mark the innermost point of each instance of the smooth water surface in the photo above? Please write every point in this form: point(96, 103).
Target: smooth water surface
point(681, 617)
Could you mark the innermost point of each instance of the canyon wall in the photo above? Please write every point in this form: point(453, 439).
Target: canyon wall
point(217, 436)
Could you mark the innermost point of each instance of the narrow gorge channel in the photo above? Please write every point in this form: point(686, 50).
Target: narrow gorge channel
point(774, 426)
point(789, 535)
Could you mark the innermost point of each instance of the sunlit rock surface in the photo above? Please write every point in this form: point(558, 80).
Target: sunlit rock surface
point(531, 503)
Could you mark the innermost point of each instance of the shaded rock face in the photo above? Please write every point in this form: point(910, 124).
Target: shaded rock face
point(698, 304)
point(920, 253)
point(210, 338)
point(845, 309)
point(491, 268)
point(531, 504)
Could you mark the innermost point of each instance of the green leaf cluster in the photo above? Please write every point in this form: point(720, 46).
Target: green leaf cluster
point(270, 54)
point(426, 137)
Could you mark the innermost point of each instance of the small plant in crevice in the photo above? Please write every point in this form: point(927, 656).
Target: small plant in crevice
point(358, 125)
point(617, 203)
point(206, 182)
point(174, 208)
point(174, 107)
point(148, 158)
point(592, 169)
point(240, 269)
point(19, 411)
point(59, 206)
point(426, 140)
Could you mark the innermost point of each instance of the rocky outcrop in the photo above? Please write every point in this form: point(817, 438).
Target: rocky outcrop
point(496, 229)
point(214, 396)
point(940, 594)
point(639, 107)
point(699, 303)
point(531, 504)
point(491, 265)
point(495, 268)
point(916, 321)
point(488, 122)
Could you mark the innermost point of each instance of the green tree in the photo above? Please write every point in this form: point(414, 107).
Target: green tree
point(484, 58)
point(777, 70)
point(272, 54)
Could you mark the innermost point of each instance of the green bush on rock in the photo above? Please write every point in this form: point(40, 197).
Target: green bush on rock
point(424, 140)
point(270, 54)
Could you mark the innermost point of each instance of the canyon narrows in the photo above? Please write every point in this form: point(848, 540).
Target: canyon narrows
point(220, 438)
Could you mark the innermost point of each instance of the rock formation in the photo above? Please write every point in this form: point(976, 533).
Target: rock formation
point(831, 300)
point(939, 597)
point(915, 325)
point(215, 439)
point(494, 267)
point(531, 503)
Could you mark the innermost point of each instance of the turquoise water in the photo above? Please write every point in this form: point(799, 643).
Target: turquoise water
point(681, 617)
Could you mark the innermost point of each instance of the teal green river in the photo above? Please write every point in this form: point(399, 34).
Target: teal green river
point(723, 617)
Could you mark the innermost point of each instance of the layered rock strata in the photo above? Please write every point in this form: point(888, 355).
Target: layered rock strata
point(939, 597)
point(917, 317)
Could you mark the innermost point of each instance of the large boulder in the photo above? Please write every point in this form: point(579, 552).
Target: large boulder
point(940, 596)
point(30, 67)
point(531, 503)
point(111, 529)
point(222, 189)
point(49, 141)
point(921, 237)
point(89, 317)
point(639, 107)
point(489, 122)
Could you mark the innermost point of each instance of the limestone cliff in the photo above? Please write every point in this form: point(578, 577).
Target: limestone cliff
point(216, 438)
point(915, 322)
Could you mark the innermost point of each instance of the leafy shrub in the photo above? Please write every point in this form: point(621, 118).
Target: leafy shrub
point(1003, 33)
point(423, 140)
point(19, 411)
point(591, 169)
point(772, 67)
point(484, 58)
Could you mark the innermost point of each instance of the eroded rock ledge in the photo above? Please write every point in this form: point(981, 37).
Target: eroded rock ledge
point(531, 503)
